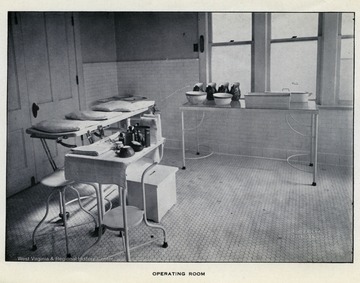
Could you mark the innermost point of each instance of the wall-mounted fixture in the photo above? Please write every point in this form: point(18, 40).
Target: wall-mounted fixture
point(202, 44)
point(35, 108)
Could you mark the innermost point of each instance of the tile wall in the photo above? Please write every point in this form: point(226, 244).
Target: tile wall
point(165, 82)
point(100, 81)
point(252, 133)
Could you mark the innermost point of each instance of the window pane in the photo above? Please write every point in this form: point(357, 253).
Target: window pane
point(347, 24)
point(346, 70)
point(287, 25)
point(293, 66)
point(231, 26)
point(232, 64)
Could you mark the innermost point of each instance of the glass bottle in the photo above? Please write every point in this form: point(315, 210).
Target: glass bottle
point(210, 90)
point(235, 91)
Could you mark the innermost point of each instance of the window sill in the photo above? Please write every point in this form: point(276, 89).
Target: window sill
point(336, 107)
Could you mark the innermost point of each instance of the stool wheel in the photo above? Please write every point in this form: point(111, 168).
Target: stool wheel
point(68, 255)
point(165, 245)
point(34, 248)
point(96, 231)
point(67, 215)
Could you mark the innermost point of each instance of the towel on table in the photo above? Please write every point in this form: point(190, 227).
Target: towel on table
point(86, 115)
point(154, 122)
point(92, 149)
point(122, 106)
point(116, 98)
point(61, 125)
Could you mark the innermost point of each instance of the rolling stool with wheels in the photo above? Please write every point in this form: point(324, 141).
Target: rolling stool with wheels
point(58, 183)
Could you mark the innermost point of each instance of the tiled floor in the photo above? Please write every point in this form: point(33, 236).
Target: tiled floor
point(229, 209)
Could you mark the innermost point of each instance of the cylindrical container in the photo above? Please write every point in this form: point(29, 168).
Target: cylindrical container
point(140, 130)
point(235, 91)
point(122, 137)
point(128, 138)
point(223, 87)
point(198, 87)
point(210, 90)
point(147, 137)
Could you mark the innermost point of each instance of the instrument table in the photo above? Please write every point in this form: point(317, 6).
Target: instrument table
point(309, 108)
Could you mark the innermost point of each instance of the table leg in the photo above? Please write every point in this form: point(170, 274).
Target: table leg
point(62, 193)
point(183, 139)
point(316, 130)
point(311, 163)
point(102, 208)
point(197, 135)
point(126, 229)
point(100, 219)
point(157, 226)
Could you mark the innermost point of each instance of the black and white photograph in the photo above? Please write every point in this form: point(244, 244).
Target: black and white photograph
point(174, 140)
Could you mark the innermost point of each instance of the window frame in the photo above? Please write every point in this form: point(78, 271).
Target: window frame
point(329, 31)
point(211, 44)
point(339, 101)
point(304, 39)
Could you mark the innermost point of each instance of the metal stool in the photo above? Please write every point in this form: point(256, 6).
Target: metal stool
point(58, 183)
point(114, 219)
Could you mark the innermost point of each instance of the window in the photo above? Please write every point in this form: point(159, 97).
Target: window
point(293, 66)
point(346, 80)
point(294, 51)
point(230, 46)
point(273, 51)
point(288, 25)
point(347, 24)
point(228, 27)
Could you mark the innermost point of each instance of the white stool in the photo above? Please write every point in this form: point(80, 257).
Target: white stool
point(58, 183)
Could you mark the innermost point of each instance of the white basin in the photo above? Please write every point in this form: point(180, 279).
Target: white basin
point(222, 98)
point(267, 100)
point(196, 97)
